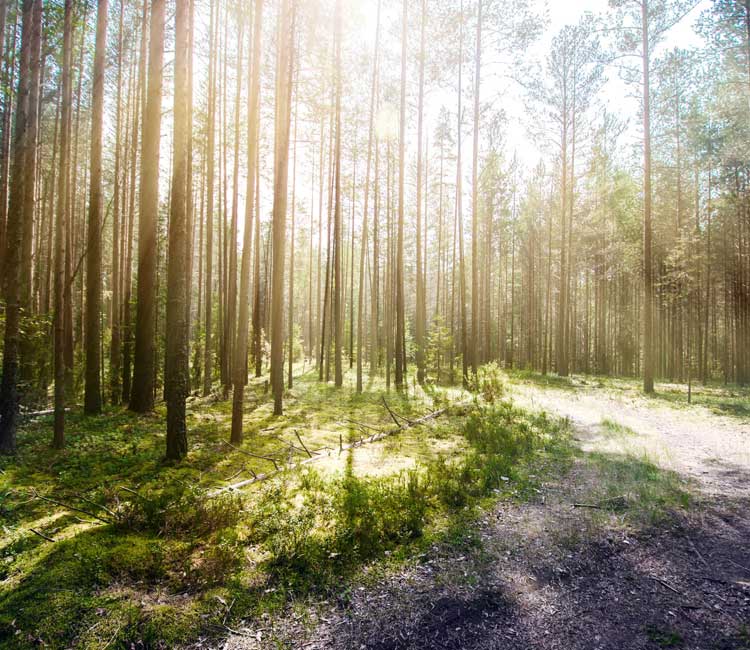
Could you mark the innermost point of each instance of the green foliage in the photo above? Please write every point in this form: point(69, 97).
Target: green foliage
point(636, 483)
point(489, 382)
point(438, 348)
point(179, 509)
point(154, 578)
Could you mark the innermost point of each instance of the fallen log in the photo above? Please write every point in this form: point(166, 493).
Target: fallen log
point(306, 461)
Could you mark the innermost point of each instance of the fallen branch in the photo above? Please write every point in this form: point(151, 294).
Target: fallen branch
point(698, 553)
point(667, 585)
point(296, 433)
point(739, 566)
point(39, 414)
point(96, 505)
point(311, 459)
point(364, 426)
point(69, 507)
point(252, 455)
point(290, 445)
point(42, 535)
point(394, 416)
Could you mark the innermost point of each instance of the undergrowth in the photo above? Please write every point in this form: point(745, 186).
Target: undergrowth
point(175, 562)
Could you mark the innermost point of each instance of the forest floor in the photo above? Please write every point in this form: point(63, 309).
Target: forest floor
point(642, 542)
point(616, 521)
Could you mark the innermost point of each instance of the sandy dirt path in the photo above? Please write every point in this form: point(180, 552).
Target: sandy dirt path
point(713, 450)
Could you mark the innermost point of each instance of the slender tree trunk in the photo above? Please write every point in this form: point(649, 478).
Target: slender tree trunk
point(58, 440)
point(285, 64)
point(30, 173)
point(142, 394)
point(420, 316)
point(93, 395)
point(115, 351)
point(475, 198)
point(208, 350)
point(363, 247)
point(337, 246)
point(399, 273)
point(290, 325)
point(239, 366)
point(176, 369)
point(4, 139)
point(648, 278)
point(138, 112)
point(14, 241)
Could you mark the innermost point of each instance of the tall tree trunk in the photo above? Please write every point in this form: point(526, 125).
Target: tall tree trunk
point(14, 241)
point(420, 315)
point(230, 325)
point(399, 272)
point(208, 351)
point(58, 439)
point(30, 173)
point(363, 247)
point(285, 63)
point(92, 403)
point(4, 138)
point(239, 366)
point(648, 272)
point(475, 198)
point(142, 394)
point(115, 350)
point(176, 369)
point(337, 246)
point(292, 233)
point(138, 112)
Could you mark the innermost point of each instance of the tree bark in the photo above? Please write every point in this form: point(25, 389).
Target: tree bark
point(142, 394)
point(92, 404)
point(176, 370)
point(281, 173)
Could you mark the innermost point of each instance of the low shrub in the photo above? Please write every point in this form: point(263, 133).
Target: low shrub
point(179, 509)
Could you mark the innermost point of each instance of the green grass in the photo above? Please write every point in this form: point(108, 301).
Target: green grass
point(171, 562)
point(637, 487)
point(616, 429)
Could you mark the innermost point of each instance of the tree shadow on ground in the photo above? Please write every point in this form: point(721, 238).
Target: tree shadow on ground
point(682, 582)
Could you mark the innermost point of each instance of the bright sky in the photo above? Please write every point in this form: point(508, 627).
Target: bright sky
point(616, 95)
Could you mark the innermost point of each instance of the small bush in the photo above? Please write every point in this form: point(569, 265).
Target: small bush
point(221, 558)
point(489, 383)
point(179, 509)
point(376, 513)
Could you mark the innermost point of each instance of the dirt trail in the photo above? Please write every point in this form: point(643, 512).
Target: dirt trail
point(713, 450)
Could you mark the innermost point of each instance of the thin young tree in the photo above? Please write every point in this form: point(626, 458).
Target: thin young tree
point(421, 310)
point(475, 198)
point(58, 440)
point(363, 248)
point(399, 271)
point(337, 246)
point(239, 366)
point(118, 223)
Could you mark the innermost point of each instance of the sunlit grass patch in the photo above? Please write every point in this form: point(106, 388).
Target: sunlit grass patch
point(636, 486)
point(615, 428)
